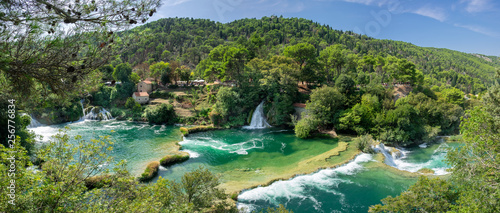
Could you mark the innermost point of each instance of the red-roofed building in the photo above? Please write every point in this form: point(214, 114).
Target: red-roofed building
point(145, 86)
point(141, 97)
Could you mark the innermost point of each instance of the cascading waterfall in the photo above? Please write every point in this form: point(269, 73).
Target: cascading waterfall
point(397, 158)
point(34, 123)
point(390, 154)
point(258, 119)
point(95, 113)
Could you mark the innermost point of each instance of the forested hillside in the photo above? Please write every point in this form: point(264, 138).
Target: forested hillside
point(189, 41)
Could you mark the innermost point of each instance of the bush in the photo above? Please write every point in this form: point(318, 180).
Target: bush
point(184, 131)
point(130, 103)
point(364, 143)
point(161, 94)
point(161, 114)
point(305, 126)
point(118, 113)
point(150, 172)
point(170, 160)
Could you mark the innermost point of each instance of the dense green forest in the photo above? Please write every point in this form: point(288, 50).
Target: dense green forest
point(189, 41)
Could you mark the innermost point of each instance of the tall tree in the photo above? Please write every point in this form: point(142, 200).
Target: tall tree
point(159, 69)
point(304, 55)
point(57, 43)
point(333, 59)
point(122, 72)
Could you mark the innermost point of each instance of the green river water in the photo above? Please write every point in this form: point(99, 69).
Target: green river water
point(246, 158)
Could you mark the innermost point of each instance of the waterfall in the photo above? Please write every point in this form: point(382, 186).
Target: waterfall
point(34, 123)
point(95, 113)
point(391, 154)
point(258, 119)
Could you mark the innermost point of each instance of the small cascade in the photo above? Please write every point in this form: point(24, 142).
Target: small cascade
point(391, 154)
point(258, 119)
point(34, 123)
point(95, 113)
point(398, 158)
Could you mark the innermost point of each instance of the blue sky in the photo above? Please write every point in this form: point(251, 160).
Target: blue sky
point(471, 26)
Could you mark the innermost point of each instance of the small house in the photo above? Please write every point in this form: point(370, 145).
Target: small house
point(141, 97)
point(145, 86)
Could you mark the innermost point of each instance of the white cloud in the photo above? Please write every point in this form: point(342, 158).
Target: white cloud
point(432, 12)
point(476, 6)
point(478, 29)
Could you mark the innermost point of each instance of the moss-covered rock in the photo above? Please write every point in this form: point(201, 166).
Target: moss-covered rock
point(98, 181)
point(150, 172)
point(170, 160)
point(426, 171)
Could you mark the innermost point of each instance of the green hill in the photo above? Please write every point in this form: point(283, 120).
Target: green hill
point(189, 41)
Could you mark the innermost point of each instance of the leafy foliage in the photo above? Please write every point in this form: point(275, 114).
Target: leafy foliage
point(161, 114)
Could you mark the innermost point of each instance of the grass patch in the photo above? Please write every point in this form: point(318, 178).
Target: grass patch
point(170, 160)
point(150, 172)
point(186, 131)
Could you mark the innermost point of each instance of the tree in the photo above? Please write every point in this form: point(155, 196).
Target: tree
point(161, 114)
point(184, 73)
point(333, 59)
point(159, 69)
point(45, 42)
point(453, 95)
point(224, 63)
point(200, 187)
point(304, 55)
point(122, 72)
point(134, 78)
point(345, 84)
point(107, 71)
point(427, 195)
point(322, 110)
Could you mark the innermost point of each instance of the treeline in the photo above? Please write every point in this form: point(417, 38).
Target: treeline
point(189, 41)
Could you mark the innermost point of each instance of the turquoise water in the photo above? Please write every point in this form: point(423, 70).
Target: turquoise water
point(245, 157)
point(349, 188)
point(137, 143)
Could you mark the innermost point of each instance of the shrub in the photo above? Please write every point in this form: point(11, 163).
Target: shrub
point(161, 94)
point(215, 117)
point(364, 143)
point(170, 160)
point(305, 126)
point(163, 113)
point(117, 113)
point(150, 172)
point(130, 103)
point(184, 131)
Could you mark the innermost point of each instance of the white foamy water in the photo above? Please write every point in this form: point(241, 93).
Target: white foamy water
point(397, 158)
point(46, 132)
point(192, 154)
point(295, 188)
point(238, 148)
